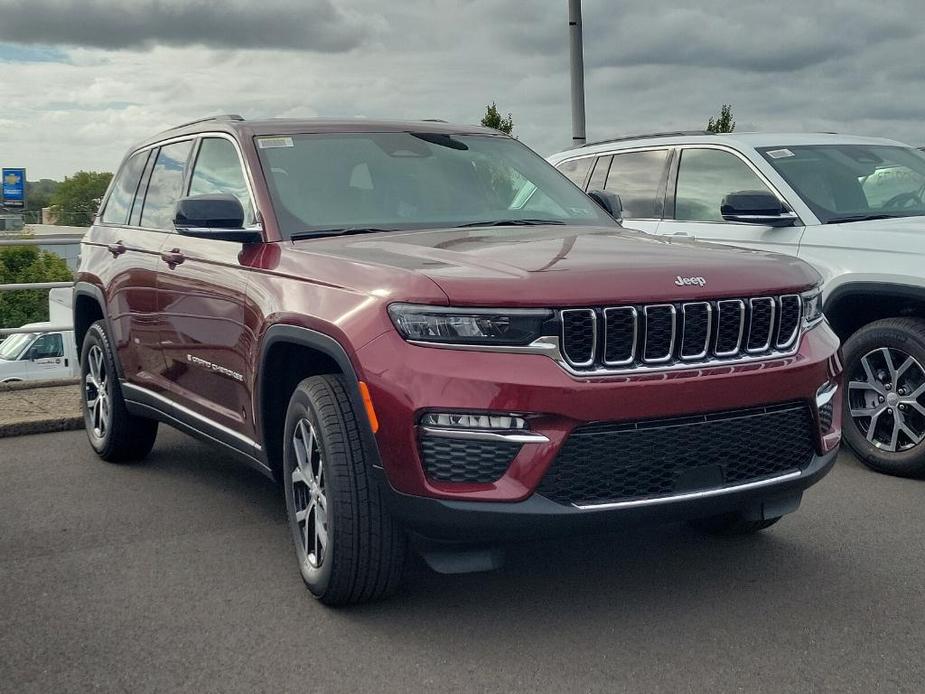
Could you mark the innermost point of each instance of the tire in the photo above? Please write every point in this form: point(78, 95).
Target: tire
point(894, 388)
point(731, 525)
point(327, 482)
point(116, 435)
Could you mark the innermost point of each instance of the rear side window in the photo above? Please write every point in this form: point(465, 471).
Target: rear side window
point(577, 170)
point(637, 177)
point(120, 200)
point(705, 177)
point(218, 170)
point(165, 186)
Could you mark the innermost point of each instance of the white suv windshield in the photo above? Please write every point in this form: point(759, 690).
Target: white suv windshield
point(402, 180)
point(13, 346)
point(844, 183)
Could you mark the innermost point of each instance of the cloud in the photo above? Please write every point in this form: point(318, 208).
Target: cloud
point(310, 25)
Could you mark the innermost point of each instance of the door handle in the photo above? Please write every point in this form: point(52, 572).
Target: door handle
point(173, 258)
point(117, 249)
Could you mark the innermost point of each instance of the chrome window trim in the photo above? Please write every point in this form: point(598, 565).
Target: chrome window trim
point(751, 320)
point(705, 494)
point(796, 331)
point(719, 313)
point(635, 315)
point(484, 435)
point(706, 345)
point(674, 333)
point(593, 334)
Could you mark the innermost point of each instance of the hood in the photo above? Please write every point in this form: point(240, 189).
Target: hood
point(571, 266)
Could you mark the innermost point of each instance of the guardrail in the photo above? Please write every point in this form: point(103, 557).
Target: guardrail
point(42, 240)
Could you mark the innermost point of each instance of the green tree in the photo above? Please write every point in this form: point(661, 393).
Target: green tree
point(78, 197)
point(493, 119)
point(39, 193)
point(22, 264)
point(723, 124)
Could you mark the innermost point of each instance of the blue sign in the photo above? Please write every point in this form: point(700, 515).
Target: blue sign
point(14, 187)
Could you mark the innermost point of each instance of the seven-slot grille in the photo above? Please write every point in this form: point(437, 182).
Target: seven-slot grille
point(656, 335)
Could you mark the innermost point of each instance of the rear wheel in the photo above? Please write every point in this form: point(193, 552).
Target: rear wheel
point(348, 547)
point(731, 524)
point(885, 407)
point(116, 435)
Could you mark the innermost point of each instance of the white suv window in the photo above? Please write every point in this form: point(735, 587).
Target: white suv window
point(705, 177)
point(636, 178)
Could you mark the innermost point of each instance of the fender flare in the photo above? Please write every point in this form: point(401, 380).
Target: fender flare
point(906, 291)
point(95, 293)
point(326, 344)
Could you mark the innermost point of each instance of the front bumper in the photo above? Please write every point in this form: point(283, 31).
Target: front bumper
point(538, 517)
point(405, 380)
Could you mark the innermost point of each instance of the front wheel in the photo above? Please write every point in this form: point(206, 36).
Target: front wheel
point(885, 406)
point(348, 547)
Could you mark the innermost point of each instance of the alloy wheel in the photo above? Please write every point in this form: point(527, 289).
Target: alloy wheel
point(886, 398)
point(309, 495)
point(98, 393)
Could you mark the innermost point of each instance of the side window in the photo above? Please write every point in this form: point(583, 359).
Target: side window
point(120, 200)
point(599, 175)
point(577, 170)
point(218, 170)
point(46, 347)
point(636, 177)
point(705, 177)
point(165, 186)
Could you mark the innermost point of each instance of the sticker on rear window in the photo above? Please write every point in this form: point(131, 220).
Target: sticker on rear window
point(780, 153)
point(271, 142)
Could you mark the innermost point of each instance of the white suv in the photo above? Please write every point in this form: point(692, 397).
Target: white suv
point(852, 206)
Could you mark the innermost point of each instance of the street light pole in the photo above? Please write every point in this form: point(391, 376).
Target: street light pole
point(577, 63)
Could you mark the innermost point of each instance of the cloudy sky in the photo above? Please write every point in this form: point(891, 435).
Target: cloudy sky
point(82, 79)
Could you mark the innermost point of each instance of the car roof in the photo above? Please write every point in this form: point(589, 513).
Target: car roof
point(234, 124)
point(739, 140)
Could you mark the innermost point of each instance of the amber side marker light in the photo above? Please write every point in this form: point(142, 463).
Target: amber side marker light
point(368, 404)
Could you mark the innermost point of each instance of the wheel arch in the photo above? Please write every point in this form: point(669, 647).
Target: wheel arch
point(89, 307)
point(287, 355)
point(851, 306)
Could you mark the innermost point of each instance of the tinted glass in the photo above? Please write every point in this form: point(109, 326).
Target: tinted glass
point(47, 347)
point(123, 190)
point(599, 175)
point(165, 186)
point(218, 170)
point(404, 180)
point(577, 170)
point(850, 181)
point(636, 177)
point(705, 177)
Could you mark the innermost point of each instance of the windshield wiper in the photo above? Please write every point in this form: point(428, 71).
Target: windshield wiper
point(342, 231)
point(862, 218)
point(510, 223)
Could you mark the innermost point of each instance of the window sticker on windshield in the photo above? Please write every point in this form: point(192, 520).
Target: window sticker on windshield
point(780, 153)
point(271, 142)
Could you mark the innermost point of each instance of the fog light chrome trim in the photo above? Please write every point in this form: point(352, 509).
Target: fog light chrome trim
point(825, 394)
point(485, 435)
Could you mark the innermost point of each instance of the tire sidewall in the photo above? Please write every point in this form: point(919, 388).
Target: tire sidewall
point(877, 335)
point(301, 406)
point(94, 337)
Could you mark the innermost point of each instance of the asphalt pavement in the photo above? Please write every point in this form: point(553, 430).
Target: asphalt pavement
point(177, 575)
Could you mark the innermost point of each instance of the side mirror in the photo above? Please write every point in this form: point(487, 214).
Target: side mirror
point(756, 207)
point(218, 216)
point(609, 201)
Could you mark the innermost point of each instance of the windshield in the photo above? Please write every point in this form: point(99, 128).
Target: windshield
point(849, 182)
point(13, 346)
point(391, 181)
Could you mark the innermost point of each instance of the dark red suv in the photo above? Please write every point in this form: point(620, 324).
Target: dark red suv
point(429, 335)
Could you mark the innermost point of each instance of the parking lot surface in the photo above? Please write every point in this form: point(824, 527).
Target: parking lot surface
point(177, 574)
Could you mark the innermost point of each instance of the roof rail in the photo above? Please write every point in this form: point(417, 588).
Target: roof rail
point(223, 116)
point(432, 120)
point(642, 136)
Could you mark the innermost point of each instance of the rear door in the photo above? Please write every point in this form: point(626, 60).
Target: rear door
point(204, 338)
point(701, 178)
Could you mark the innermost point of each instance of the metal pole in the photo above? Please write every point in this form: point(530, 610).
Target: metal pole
point(577, 62)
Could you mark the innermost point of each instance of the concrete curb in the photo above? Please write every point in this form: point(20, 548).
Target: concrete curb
point(38, 408)
point(41, 426)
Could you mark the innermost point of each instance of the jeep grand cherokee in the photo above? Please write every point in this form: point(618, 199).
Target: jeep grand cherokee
point(427, 333)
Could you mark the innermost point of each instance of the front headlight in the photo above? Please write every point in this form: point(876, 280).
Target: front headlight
point(469, 326)
point(812, 307)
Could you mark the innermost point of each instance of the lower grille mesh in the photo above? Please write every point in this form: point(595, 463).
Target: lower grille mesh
point(609, 462)
point(454, 460)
